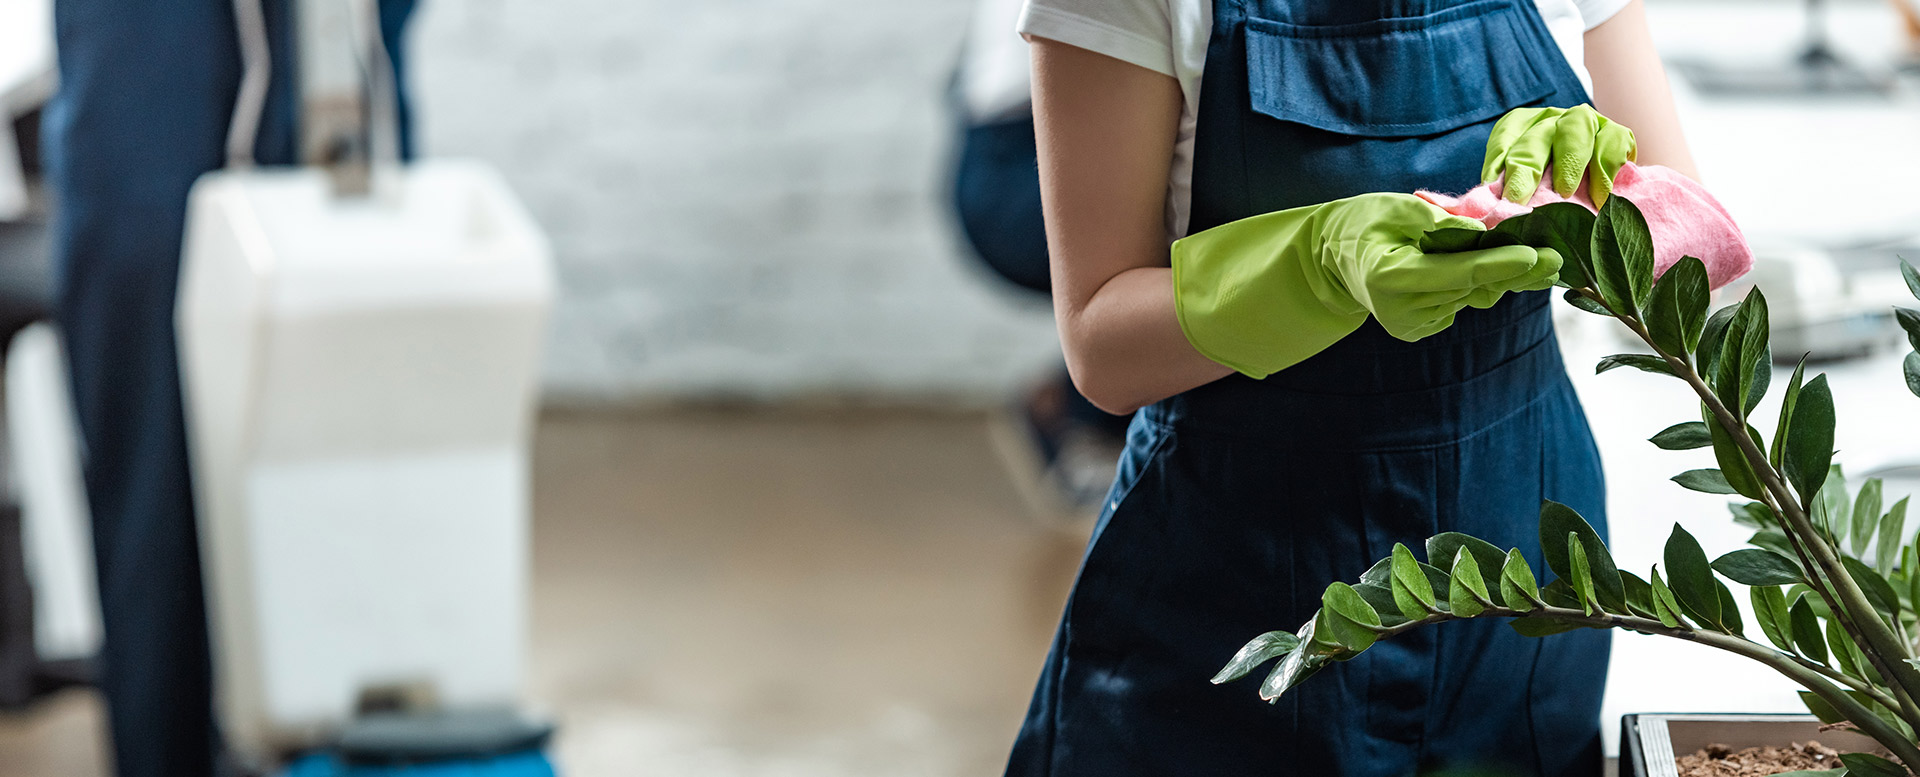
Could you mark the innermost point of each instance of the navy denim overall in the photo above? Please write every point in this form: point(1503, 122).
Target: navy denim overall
point(1239, 501)
point(146, 92)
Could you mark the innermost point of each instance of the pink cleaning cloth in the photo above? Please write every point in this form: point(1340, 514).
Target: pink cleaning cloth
point(1684, 218)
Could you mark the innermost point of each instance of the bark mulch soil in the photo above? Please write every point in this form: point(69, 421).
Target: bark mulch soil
point(1723, 761)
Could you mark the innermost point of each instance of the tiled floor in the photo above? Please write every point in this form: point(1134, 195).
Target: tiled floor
point(748, 593)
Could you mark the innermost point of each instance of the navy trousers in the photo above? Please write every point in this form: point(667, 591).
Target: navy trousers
point(147, 88)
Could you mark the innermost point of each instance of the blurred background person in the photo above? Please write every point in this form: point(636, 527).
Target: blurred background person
point(145, 102)
point(1061, 448)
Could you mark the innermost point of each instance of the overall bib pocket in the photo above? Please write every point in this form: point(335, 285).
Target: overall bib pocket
point(1398, 77)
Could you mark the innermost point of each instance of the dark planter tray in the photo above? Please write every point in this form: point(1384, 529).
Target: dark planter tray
point(1650, 742)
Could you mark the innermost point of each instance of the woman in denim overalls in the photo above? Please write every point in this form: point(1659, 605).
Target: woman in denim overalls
point(1238, 500)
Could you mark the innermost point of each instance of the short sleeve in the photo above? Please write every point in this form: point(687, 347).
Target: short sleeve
point(1139, 32)
point(1594, 12)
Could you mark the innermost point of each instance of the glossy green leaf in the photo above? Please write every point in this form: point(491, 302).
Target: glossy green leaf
point(1556, 520)
point(1622, 255)
point(1349, 617)
point(1380, 597)
point(1813, 598)
point(1911, 369)
point(1753, 515)
point(1756, 354)
point(1869, 765)
point(1262, 649)
point(1893, 527)
point(1580, 301)
point(1712, 338)
point(1517, 587)
point(1909, 559)
point(1467, 596)
point(1810, 439)
point(1542, 627)
point(1412, 592)
point(1787, 402)
point(1582, 576)
point(1866, 514)
point(1443, 548)
point(1692, 577)
point(1846, 655)
point(1677, 309)
point(1381, 575)
point(1706, 481)
point(1774, 540)
point(1805, 628)
point(1754, 566)
point(1912, 278)
point(1567, 228)
point(1771, 611)
point(1450, 240)
point(1740, 374)
point(1833, 507)
point(1665, 607)
point(1639, 595)
point(1820, 709)
point(1684, 436)
point(1734, 465)
point(1729, 611)
point(1910, 321)
point(1644, 362)
point(1879, 592)
point(1297, 666)
point(1560, 594)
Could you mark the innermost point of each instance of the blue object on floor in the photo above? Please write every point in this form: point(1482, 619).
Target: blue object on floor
point(531, 763)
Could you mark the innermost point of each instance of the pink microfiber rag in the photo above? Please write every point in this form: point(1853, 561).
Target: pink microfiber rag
point(1685, 220)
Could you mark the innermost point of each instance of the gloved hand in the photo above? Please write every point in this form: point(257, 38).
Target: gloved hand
point(1264, 293)
point(1577, 141)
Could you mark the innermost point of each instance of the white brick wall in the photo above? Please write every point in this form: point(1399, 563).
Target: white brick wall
point(746, 196)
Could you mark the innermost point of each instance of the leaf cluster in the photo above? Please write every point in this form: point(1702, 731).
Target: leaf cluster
point(1833, 573)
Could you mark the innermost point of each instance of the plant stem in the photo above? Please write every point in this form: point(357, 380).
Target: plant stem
point(1811, 678)
point(1860, 619)
point(1872, 691)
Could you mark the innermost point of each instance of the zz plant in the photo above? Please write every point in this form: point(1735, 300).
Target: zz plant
point(1834, 579)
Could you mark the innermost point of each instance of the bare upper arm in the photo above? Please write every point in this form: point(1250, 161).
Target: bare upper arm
point(1630, 86)
point(1106, 132)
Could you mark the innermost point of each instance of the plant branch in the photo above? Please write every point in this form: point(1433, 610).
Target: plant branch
point(1810, 676)
point(1858, 615)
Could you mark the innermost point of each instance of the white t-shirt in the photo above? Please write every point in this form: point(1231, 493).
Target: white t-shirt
point(1170, 37)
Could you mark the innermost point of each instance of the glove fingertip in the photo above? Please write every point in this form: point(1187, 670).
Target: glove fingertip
point(1519, 187)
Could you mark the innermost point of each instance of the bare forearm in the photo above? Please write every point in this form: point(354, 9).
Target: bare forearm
point(1125, 347)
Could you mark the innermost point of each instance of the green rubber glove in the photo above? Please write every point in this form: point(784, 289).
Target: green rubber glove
point(1264, 293)
point(1578, 141)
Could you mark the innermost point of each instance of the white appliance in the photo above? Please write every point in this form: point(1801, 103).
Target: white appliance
point(359, 350)
point(360, 385)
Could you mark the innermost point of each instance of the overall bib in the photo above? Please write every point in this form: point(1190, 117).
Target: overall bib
point(1239, 501)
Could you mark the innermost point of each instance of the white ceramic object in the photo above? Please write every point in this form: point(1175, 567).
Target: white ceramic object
point(360, 378)
point(43, 445)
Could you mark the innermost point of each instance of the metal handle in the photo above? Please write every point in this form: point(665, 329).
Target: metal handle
point(348, 124)
point(348, 111)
